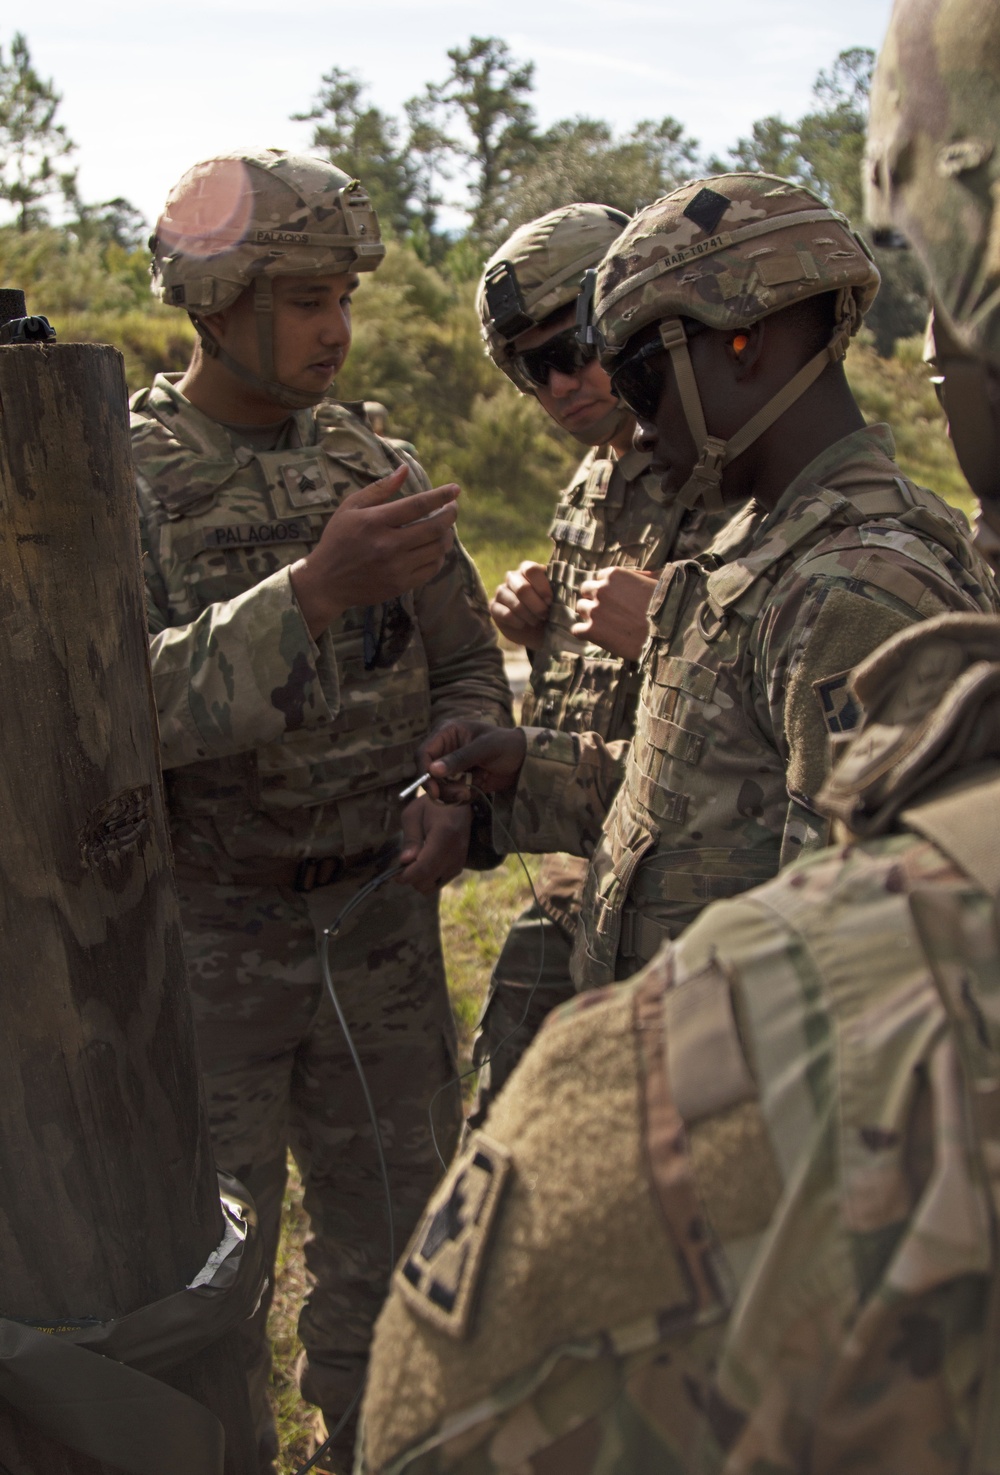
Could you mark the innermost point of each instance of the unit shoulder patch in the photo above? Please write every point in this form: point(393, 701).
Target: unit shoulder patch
point(439, 1274)
point(837, 704)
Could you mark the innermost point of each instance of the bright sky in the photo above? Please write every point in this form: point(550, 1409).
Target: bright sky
point(148, 89)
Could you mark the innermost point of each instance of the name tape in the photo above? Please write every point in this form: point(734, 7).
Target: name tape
point(247, 534)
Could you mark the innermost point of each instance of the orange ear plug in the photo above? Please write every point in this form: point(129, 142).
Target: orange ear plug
point(740, 342)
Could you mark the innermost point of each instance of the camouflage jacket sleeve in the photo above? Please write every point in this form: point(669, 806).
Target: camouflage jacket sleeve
point(822, 618)
point(256, 645)
point(565, 790)
point(465, 663)
point(727, 1216)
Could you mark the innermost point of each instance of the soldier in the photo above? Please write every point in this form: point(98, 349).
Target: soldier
point(311, 620)
point(948, 229)
point(613, 525)
point(742, 1214)
point(726, 309)
point(735, 1216)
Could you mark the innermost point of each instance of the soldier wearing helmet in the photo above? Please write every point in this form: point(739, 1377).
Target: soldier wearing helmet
point(740, 1213)
point(725, 310)
point(931, 170)
point(312, 619)
point(613, 529)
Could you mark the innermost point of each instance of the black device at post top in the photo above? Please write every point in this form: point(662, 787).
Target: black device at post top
point(504, 301)
point(16, 326)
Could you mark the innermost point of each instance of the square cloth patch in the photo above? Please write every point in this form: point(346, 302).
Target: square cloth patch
point(841, 712)
point(439, 1274)
point(707, 209)
point(307, 483)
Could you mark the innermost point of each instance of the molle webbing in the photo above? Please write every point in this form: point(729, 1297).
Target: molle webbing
point(718, 243)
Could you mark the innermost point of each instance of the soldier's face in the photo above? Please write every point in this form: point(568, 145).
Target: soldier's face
point(577, 400)
point(729, 397)
point(311, 330)
point(970, 395)
point(666, 434)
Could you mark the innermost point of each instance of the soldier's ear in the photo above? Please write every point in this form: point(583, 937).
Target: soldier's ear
point(743, 348)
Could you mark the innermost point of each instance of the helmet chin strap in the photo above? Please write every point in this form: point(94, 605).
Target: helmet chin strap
point(265, 382)
point(705, 482)
point(603, 430)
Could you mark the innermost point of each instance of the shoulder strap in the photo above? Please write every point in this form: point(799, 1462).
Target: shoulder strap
point(808, 516)
point(178, 475)
point(963, 823)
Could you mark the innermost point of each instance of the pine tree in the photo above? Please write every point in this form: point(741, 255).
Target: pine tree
point(31, 141)
point(364, 142)
point(488, 91)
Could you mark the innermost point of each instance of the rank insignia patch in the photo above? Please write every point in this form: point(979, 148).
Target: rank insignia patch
point(439, 1274)
point(840, 711)
point(306, 483)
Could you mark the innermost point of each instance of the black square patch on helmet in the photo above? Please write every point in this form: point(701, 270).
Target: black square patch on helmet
point(707, 209)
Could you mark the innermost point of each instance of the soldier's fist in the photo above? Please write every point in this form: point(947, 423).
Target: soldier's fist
point(612, 607)
point(491, 757)
point(520, 607)
point(376, 546)
point(435, 843)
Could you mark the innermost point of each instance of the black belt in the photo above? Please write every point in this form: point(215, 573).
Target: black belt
point(306, 875)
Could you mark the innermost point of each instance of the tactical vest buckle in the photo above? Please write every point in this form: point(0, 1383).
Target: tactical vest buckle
point(311, 873)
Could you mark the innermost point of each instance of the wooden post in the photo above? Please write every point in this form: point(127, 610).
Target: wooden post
point(108, 1196)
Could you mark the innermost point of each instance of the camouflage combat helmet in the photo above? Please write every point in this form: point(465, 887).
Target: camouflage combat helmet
point(932, 164)
point(239, 220)
point(727, 252)
point(539, 269)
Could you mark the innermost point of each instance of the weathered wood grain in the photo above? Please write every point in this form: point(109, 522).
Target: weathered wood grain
point(107, 1188)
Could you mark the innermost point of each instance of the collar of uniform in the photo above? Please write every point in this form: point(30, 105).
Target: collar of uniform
point(198, 431)
point(861, 456)
point(810, 501)
point(210, 458)
point(632, 464)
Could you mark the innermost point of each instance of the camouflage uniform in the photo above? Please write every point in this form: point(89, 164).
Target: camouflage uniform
point(745, 679)
point(750, 645)
point(739, 1214)
point(613, 513)
point(805, 1108)
point(283, 756)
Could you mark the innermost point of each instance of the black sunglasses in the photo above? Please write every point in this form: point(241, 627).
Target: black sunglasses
point(638, 381)
point(564, 352)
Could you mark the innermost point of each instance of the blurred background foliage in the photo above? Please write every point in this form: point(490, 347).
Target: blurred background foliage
point(469, 140)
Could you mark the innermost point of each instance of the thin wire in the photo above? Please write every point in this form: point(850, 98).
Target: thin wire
point(324, 960)
point(475, 1069)
point(324, 955)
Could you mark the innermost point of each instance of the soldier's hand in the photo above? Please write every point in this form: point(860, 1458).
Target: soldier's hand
point(377, 545)
point(520, 607)
point(612, 607)
point(490, 758)
point(435, 843)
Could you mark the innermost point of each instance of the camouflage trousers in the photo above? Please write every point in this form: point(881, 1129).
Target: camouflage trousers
point(278, 1075)
point(530, 979)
